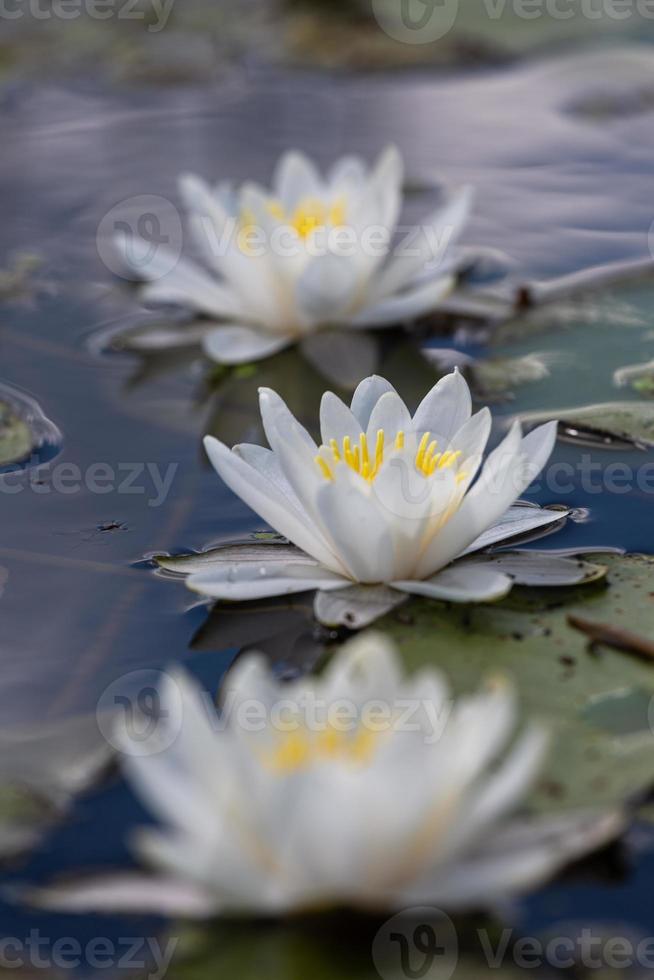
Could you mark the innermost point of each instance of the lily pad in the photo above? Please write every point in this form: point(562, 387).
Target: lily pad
point(326, 946)
point(527, 637)
point(24, 429)
point(611, 425)
point(16, 439)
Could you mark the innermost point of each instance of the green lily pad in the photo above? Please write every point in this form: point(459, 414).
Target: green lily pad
point(326, 946)
point(16, 439)
point(612, 425)
point(595, 758)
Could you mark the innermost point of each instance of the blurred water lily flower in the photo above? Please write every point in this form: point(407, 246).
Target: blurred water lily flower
point(313, 252)
point(275, 818)
point(388, 504)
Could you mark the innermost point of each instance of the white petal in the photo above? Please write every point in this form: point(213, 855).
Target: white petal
point(337, 421)
point(135, 893)
point(460, 584)
point(249, 581)
point(207, 218)
point(296, 177)
point(386, 184)
point(357, 526)
point(405, 306)
point(437, 233)
point(269, 503)
point(506, 473)
point(366, 397)
point(390, 414)
point(187, 285)
point(356, 607)
point(347, 176)
point(232, 554)
point(516, 521)
point(326, 288)
point(445, 409)
point(537, 568)
point(279, 422)
point(238, 344)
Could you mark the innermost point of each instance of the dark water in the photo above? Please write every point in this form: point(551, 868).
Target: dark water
point(560, 188)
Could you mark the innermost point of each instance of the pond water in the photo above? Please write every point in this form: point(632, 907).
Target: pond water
point(562, 166)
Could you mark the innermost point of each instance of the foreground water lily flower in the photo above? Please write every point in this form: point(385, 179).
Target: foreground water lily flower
point(386, 506)
point(325, 793)
point(313, 252)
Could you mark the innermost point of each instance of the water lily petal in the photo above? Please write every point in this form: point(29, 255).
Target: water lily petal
point(238, 344)
point(357, 526)
point(356, 607)
point(296, 177)
point(259, 581)
point(514, 522)
point(446, 408)
point(386, 185)
point(366, 396)
point(269, 503)
point(405, 306)
point(506, 473)
point(458, 583)
point(207, 218)
point(347, 176)
point(326, 288)
point(471, 440)
point(389, 414)
point(436, 234)
point(131, 893)
point(337, 420)
point(279, 422)
point(537, 568)
point(233, 554)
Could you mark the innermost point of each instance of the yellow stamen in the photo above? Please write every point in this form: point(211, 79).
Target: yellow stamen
point(333, 445)
point(421, 450)
point(326, 472)
point(399, 440)
point(302, 748)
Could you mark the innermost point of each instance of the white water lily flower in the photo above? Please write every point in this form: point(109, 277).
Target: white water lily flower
point(312, 807)
point(386, 500)
point(312, 252)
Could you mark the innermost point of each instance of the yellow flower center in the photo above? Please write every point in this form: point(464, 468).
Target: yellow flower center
point(367, 464)
point(303, 748)
point(310, 214)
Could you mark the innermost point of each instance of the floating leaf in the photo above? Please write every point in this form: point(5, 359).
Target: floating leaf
point(527, 636)
point(16, 440)
point(611, 425)
point(24, 429)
